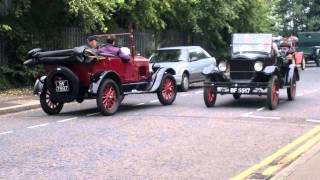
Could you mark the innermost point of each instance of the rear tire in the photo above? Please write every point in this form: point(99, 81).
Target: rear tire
point(48, 105)
point(291, 91)
point(209, 95)
point(184, 87)
point(303, 64)
point(108, 99)
point(236, 96)
point(273, 93)
point(167, 91)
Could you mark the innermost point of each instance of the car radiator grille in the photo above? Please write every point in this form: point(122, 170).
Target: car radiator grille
point(241, 69)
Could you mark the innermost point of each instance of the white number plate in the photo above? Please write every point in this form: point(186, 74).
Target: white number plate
point(240, 90)
point(62, 86)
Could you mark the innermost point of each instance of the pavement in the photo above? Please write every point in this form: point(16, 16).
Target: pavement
point(145, 140)
point(16, 103)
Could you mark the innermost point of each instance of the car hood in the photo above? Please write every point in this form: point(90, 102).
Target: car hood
point(175, 65)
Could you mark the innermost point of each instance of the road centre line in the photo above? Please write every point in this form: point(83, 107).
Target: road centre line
point(263, 117)
point(313, 120)
point(7, 132)
point(279, 153)
point(292, 156)
point(154, 101)
point(39, 125)
point(185, 95)
point(260, 109)
point(246, 114)
point(69, 119)
point(140, 104)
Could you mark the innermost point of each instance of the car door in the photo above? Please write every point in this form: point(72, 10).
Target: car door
point(205, 61)
point(196, 65)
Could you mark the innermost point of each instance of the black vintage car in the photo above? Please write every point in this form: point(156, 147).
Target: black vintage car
point(255, 68)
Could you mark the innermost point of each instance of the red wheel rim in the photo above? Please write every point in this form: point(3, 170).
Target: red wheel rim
point(168, 89)
point(51, 104)
point(211, 94)
point(275, 93)
point(109, 98)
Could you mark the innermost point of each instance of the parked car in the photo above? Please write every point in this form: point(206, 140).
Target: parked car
point(80, 73)
point(254, 69)
point(309, 43)
point(187, 61)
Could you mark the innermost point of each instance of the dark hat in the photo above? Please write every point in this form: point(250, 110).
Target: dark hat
point(91, 38)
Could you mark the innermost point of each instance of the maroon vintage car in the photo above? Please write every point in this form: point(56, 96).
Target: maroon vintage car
point(81, 73)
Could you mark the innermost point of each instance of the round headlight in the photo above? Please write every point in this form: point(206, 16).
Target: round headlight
point(258, 66)
point(222, 66)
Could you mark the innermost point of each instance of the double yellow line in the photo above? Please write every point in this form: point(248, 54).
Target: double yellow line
point(305, 141)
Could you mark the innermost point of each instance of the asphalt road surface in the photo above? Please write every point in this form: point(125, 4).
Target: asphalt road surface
point(146, 140)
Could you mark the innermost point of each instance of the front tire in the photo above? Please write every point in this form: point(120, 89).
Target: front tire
point(108, 99)
point(48, 105)
point(291, 91)
point(209, 95)
point(185, 83)
point(236, 96)
point(273, 93)
point(167, 91)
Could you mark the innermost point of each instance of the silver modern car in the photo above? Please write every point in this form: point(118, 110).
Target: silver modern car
point(187, 61)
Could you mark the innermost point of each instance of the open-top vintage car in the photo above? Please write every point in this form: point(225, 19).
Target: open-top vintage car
point(82, 73)
point(254, 69)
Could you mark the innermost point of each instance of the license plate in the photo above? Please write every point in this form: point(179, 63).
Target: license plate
point(240, 90)
point(62, 86)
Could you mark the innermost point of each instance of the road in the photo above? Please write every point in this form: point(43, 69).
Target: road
point(146, 140)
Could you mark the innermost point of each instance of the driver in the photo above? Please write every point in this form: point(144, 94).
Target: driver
point(111, 49)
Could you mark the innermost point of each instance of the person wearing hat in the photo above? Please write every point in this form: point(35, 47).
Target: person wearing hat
point(92, 42)
point(111, 49)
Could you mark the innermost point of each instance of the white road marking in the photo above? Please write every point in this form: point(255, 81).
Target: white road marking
point(263, 117)
point(140, 104)
point(313, 120)
point(93, 114)
point(39, 125)
point(316, 90)
point(185, 95)
point(7, 132)
point(246, 114)
point(66, 120)
point(198, 92)
point(260, 109)
point(154, 101)
point(299, 95)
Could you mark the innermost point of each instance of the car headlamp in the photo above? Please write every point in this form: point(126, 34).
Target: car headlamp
point(258, 66)
point(222, 66)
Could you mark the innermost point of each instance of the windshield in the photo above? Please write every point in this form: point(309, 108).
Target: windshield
point(174, 55)
point(246, 43)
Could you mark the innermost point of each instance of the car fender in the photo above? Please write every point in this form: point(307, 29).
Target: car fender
point(271, 70)
point(292, 70)
point(210, 70)
point(38, 85)
point(157, 78)
point(98, 79)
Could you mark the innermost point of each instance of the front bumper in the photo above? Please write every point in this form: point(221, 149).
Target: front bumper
point(254, 88)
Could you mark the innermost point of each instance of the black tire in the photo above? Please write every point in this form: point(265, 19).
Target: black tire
point(209, 95)
point(291, 91)
point(167, 91)
point(108, 99)
point(64, 74)
point(48, 105)
point(303, 64)
point(236, 96)
point(273, 93)
point(185, 83)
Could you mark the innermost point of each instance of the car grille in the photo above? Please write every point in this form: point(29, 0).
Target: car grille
point(241, 69)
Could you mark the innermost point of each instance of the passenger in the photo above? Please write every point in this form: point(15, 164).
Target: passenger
point(111, 49)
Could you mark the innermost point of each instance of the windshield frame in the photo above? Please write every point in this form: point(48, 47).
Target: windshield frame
point(259, 44)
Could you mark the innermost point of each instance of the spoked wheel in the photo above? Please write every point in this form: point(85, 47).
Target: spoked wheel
point(167, 91)
point(108, 99)
point(185, 83)
point(273, 93)
point(291, 91)
point(209, 95)
point(49, 105)
point(303, 64)
point(236, 96)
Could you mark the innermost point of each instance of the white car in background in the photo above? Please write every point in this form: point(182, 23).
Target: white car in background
point(187, 61)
